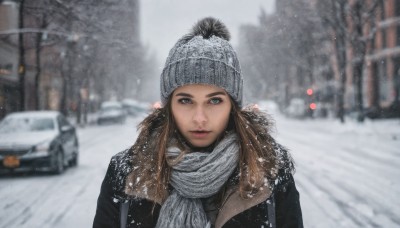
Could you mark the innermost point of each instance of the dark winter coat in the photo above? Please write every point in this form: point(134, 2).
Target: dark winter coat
point(235, 212)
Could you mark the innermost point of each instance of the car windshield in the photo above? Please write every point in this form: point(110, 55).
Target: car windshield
point(26, 124)
point(110, 109)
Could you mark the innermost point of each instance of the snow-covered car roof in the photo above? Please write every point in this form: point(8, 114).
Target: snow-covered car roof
point(108, 104)
point(34, 114)
point(131, 102)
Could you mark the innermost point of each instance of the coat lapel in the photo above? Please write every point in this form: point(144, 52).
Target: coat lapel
point(236, 204)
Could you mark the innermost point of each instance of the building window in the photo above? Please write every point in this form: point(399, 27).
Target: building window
point(396, 79)
point(384, 31)
point(397, 8)
point(383, 81)
point(6, 69)
point(398, 35)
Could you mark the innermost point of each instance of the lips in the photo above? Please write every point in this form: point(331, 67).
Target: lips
point(200, 134)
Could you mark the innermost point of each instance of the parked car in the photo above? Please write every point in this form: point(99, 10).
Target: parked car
point(37, 140)
point(135, 108)
point(111, 112)
point(297, 108)
point(321, 110)
point(268, 106)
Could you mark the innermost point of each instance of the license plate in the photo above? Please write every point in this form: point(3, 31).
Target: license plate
point(11, 161)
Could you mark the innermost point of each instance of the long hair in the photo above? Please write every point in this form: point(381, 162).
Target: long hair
point(257, 159)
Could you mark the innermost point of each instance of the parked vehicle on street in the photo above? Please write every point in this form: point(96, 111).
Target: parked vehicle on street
point(269, 106)
point(297, 108)
point(135, 108)
point(321, 110)
point(111, 112)
point(37, 140)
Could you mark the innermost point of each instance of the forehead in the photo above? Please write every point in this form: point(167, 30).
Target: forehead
point(194, 89)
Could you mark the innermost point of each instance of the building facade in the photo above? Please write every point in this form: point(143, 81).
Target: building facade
point(383, 64)
point(60, 49)
point(9, 80)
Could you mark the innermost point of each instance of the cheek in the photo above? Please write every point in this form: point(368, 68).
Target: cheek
point(179, 118)
point(226, 120)
point(222, 117)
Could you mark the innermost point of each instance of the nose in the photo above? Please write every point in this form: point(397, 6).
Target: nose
point(200, 116)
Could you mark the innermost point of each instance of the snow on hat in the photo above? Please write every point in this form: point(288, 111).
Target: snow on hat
point(204, 56)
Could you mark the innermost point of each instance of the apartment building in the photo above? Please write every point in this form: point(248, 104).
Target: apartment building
point(383, 64)
point(9, 80)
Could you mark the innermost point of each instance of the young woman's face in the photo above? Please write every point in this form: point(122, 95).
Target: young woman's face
point(201, 113)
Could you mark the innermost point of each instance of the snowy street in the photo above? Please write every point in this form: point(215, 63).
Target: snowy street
point(346, 176)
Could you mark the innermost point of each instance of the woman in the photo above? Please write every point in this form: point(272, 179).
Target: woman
point(201, 160)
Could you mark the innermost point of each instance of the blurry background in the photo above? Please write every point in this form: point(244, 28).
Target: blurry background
point(327, 71)
point(330, 58)
point(164, 22)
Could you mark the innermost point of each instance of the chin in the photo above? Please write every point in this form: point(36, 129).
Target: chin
point(200, 144)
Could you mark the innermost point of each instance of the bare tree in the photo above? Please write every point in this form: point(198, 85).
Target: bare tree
point(283, 51)
point(375, 106)
point(97, 50)
point(333, 14)
point(21, 64)
point(363, 29)
point(37, 18)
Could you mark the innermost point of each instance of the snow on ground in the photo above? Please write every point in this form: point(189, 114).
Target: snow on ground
point(69, 200)
point(346, 176)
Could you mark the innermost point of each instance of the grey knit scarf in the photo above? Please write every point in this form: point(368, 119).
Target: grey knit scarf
point(197, 175)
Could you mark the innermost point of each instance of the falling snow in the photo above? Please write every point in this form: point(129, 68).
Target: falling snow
point(346, 175)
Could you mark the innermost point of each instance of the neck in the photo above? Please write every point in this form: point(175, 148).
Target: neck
point(203, 149)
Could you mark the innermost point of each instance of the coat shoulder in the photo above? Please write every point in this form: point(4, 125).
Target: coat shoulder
point(285, 166)
point(119, 168)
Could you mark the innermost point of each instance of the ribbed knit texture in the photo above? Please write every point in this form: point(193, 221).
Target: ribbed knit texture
point(202, 61)
point(198, 175)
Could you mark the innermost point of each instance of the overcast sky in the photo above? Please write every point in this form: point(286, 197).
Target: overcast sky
point(163, 22)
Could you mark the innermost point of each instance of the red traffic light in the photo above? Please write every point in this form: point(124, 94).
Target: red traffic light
point(313, 106)
point(310, 92)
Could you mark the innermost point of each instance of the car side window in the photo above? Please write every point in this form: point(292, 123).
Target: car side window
point(63, 121)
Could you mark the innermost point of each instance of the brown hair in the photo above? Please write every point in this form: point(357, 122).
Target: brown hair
point(257, 155)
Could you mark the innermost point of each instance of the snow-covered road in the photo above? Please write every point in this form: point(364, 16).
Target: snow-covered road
point(346, 176)
point(68, 200)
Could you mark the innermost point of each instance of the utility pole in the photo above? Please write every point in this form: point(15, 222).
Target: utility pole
point(21, 64)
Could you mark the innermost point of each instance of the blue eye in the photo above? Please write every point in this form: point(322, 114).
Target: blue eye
point(215, 100)
point(185, 101)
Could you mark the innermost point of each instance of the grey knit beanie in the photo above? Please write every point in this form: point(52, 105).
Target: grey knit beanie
point(203, 56)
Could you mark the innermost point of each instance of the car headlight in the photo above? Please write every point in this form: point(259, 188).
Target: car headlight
point(44, 146)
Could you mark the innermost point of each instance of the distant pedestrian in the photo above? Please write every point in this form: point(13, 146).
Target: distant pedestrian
point(201, 160)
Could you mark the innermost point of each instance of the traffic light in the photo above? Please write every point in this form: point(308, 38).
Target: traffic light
point(310, 101)
point(310, 92)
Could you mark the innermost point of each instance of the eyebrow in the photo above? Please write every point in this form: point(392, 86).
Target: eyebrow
point(184, 95)
point(208, 95)
point(216, 93)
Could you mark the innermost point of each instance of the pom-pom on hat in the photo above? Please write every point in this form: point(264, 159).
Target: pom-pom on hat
point(204, 56)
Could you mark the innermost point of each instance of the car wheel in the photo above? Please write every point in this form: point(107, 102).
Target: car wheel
point(75, 158)
point(74, 161)
point(58, 162)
